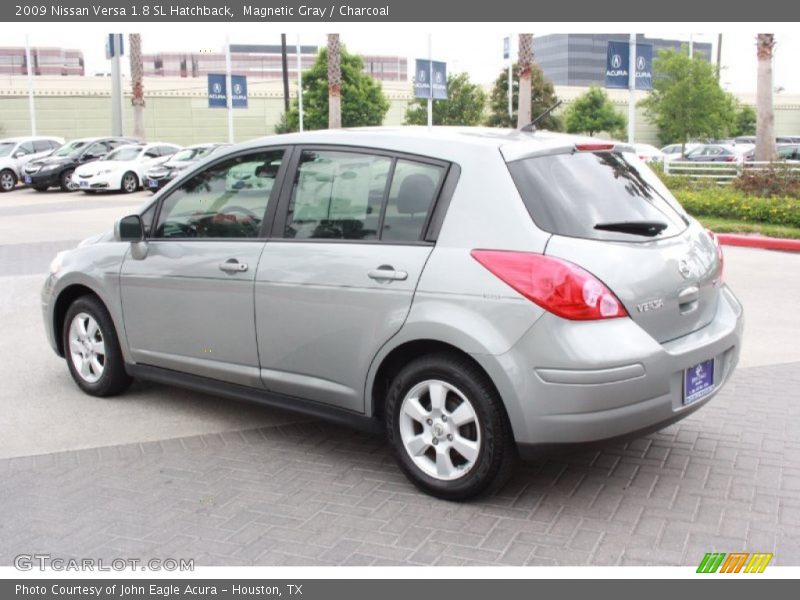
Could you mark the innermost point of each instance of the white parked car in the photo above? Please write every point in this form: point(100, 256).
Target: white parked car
point(16, 152)
point(673, 151)
point(648, 153)
point(123, 169)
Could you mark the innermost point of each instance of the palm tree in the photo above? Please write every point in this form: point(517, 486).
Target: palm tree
point(334, 81)
point(765, 116)
point(137, 69)
point(525, 62)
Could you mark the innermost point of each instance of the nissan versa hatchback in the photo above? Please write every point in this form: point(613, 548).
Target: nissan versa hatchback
point(476, 294)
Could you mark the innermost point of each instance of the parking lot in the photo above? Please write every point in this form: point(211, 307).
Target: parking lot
point(161, 472)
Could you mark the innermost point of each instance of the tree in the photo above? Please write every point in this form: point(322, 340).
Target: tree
point(525, 64)
point(137, 70)
point(687, 101)
point(744, 121)
point(543, 96)
point(765, 115)
point(593, 112)
point(362, 100)
point(464, 105)
point(334, 81)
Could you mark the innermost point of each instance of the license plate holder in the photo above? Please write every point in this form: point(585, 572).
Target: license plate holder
point(28, 179)
point(152, 183)
point(698, 381)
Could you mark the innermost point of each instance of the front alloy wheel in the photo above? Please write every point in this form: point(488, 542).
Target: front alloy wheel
point(92, 350)
point(130, 183)
point(87, 349)
point(7, 181)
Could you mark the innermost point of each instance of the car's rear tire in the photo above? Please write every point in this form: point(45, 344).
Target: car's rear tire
point(91, 348)
point(448, 428)
point(8, 180)
point(65, 182)
point(129, 183)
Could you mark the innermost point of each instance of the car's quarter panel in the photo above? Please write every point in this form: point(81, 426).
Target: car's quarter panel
point(321, 318)
point(183, 312)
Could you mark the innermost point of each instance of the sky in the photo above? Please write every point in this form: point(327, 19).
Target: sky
point(472, 47)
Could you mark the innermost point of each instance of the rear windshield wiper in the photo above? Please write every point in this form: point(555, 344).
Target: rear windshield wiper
point(646, 228)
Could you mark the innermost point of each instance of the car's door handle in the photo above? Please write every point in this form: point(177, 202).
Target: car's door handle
point(233, 266)
point(387, 273)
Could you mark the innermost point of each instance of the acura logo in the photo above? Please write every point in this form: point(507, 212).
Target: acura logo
point(640, 64)
point(237, 89)
point(217, 88)
point(616, 61)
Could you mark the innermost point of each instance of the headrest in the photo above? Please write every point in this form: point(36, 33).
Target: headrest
point(415, 194)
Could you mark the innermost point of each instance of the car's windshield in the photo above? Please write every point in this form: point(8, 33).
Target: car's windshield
point(190, 154)
point(6, 147)
point(70, 148)
point(596, 195)
point(124, 154)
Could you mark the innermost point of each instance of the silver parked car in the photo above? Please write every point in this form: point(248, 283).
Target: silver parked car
point(474, 293)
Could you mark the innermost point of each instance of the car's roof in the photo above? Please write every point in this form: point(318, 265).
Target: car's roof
point(30, 138)
point(442, 142)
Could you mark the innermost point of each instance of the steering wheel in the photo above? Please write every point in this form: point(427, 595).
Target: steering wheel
point(240, 209)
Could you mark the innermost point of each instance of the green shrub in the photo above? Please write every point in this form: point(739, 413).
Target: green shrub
point(728, 203)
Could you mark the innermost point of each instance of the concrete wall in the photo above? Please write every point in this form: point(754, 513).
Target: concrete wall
point(177, 109)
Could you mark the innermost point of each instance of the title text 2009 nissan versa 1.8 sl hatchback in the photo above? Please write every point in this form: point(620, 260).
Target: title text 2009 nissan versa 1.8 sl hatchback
point(475, 293)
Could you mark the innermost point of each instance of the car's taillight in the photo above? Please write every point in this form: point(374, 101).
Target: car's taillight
point(561, 287)
point(720, 256)
point(595, 147)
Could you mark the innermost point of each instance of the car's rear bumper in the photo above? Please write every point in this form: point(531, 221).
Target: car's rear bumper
point(573, 382)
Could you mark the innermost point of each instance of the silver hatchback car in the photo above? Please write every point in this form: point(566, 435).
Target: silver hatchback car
point(477, 294)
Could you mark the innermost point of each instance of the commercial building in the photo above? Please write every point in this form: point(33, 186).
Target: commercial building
point(579, 59)
point(260, 61)
point(45, 61)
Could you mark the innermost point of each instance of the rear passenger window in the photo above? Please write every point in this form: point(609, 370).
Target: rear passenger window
point(337, 195)
point(414, 187)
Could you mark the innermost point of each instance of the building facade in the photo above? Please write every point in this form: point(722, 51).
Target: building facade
point(260, 61)
point(579, 59)
point(45, 61)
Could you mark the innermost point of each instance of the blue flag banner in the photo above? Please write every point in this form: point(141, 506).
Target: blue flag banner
point(217, 93)
point(617, 60)
point(426, 70)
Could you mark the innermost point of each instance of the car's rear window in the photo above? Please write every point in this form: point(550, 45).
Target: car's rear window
point(572, 193)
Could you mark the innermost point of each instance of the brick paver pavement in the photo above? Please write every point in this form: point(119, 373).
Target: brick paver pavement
point(725, 479)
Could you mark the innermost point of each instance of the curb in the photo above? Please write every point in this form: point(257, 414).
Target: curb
point(758, 241)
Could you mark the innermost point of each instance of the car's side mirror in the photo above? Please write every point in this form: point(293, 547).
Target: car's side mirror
point(20, 154)
point(129, 229)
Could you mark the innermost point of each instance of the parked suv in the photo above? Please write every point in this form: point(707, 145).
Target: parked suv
point(56, 169)
point(474, 293)
point(16, 152)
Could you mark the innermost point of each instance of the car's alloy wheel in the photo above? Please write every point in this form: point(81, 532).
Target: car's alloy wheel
point(67, 184)
point(130, 183)
point(7, 181)
point(92, 350)
point(87, 348)
point(440, 429)
point(448, 427)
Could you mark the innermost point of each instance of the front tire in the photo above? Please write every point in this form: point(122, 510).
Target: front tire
point(66, 182)
point(129, 183)
point(8, 180)
point(91, 348)
point(448, 428)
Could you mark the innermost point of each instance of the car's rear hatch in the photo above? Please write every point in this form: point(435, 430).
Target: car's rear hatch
point(611, 215)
